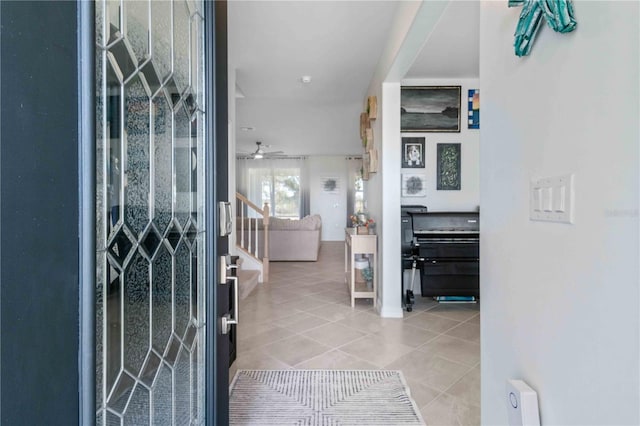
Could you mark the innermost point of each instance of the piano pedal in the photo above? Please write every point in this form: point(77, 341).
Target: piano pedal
point(409, 300)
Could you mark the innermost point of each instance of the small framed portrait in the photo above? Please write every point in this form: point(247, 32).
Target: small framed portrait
point(413, 153)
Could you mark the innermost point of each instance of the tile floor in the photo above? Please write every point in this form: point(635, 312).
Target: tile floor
point(302, 319)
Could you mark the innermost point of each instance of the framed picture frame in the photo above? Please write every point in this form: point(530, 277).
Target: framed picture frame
point(448, 170)
point(413, 153)
point(414, 185)
point(473, 109)
point(430, 108)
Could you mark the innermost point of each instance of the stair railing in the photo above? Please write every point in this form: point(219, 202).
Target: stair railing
point(252, 222)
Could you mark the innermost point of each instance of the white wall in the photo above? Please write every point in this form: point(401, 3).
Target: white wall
point(468, 198)
point(411, 25)
point(331, 207)
point(560, 303)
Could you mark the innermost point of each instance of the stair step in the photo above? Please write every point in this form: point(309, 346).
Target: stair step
point(247, 281)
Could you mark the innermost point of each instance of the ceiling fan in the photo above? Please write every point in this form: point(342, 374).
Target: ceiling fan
point(261, 153)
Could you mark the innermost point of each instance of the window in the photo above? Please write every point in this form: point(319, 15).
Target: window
point(278, 187)
point(359, 194)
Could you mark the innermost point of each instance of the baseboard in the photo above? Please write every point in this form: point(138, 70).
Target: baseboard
point(390, 312)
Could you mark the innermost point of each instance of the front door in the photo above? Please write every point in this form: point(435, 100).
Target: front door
point(158, 146)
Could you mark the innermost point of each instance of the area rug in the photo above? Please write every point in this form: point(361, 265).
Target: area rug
point(321, 398)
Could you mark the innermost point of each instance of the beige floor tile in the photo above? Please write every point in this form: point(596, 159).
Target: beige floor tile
point(280, 295)
point(332, 312)
point(265, 314)
point(300, 322)
point(301, 291)
point(333, 296)
point(294, 350)
point(453, 312)
point(375, 350)
point(421, 394)
point(467, 389)
point(474, 320)
point(400, 332)
point(367, 322)
point(430, 370)
point(447, 410)
point(363, 305)
point(274, 334)
point(431, 322)
point(466, 331)
point(258, 360)
point(302, 304)
point(336, 360)
point(264, 338)
point(424, 303)
point(334, 335)
point(453, 349)
point(248, 329)
point(326, 285)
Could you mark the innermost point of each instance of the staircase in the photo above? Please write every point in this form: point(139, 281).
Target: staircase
point(252, 240)
point(248, 279)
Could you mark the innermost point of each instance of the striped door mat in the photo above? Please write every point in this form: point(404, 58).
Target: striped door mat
point(321, 398)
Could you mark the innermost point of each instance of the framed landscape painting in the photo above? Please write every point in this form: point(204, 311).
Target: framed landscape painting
point(430, 108)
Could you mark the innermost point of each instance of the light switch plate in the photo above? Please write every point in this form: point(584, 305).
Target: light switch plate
point(551, 199)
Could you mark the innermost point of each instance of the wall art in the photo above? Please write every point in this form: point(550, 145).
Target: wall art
point(364, 124)
point(413, 153)
point(474, 109)
point(557, 13)
point(448, 173)
point(414, 185)
point(364, 170)
point(430, 109)
point(373, 161)
point(330, 184)
point(367, 141)
point(372, 107)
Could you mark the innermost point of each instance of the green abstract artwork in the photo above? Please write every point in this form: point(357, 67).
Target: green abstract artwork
point(557, 13)
point(448, 172)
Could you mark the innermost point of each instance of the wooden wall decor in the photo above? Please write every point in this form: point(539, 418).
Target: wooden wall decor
point(372, 107)
point(368, 145)
point(364, 124)
point(365, 166)
point(373, 161)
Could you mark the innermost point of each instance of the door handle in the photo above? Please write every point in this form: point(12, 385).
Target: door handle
point(227, 319)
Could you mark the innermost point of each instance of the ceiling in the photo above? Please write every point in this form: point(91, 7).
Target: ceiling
point(272, 44)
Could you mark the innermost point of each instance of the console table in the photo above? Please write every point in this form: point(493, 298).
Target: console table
point(359, 244)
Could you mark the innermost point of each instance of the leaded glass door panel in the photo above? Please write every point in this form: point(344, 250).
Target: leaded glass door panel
point(150, 310)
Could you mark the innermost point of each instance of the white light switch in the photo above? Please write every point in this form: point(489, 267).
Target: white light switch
point(551, 199)
point(559, 194)
point(537, 199)
point(547, 199)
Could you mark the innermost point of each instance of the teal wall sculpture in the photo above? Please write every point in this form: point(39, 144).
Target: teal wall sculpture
point(558, 14)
